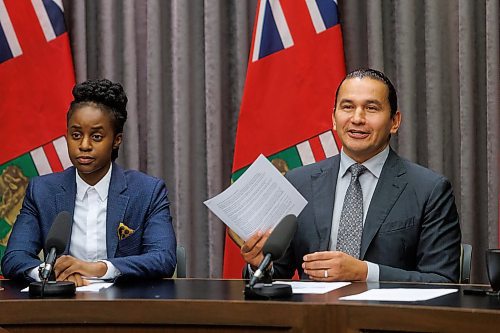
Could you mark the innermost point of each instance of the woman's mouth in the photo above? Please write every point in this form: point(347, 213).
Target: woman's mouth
point(85, 159)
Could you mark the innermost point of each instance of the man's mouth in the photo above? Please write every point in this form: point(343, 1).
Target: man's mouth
point(357, 134)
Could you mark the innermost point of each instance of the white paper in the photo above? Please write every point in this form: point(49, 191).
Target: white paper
point(300, 287)
point(258, 200)
point(95, 285)
point(399, 295)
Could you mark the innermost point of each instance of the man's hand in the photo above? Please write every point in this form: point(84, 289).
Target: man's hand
point(251, 251)
point(337, 265)
point(67, 265)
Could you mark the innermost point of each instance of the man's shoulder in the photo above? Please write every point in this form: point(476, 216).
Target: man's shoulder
point(306, 171)
point(421, 174)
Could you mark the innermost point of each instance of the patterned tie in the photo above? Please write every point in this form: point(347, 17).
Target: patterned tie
point(351, 218)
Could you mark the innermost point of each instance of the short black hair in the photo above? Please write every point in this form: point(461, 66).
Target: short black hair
point(375, 75)
point(107, 96)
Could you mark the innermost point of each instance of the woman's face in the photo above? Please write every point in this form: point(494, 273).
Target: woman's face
point(91, 140)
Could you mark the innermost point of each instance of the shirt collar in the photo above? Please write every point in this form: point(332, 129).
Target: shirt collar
point(102, 187)
point(374, 164)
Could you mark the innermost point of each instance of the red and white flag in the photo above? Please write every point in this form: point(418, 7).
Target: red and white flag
point(296, 64)
point(36, 78)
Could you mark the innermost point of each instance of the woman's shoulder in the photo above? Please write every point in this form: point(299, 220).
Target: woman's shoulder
point(140, 179)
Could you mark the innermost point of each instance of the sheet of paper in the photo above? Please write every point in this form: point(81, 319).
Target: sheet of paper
point(300, 287)
point(95, 285)
point(258, 200)
point(399, 294)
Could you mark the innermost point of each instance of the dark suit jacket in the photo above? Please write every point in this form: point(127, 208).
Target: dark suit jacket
point(411, 228)
point(135, 199)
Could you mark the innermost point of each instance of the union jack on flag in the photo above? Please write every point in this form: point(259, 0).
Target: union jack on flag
point(296, 64)
point(36, 78)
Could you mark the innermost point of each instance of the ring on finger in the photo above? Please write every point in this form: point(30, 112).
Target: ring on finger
point(326, 273)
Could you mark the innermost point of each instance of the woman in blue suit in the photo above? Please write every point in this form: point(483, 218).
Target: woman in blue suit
point(121, 218)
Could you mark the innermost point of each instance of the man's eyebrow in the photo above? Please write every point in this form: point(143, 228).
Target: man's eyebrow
point(373, 101)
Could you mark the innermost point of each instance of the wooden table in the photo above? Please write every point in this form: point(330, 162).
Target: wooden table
point(198, 305)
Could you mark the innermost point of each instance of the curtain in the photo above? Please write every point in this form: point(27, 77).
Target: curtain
point(183, 65)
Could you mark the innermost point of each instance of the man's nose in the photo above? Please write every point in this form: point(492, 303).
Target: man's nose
point(358, 116)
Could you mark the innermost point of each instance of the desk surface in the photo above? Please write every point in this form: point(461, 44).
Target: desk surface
point(219, 305)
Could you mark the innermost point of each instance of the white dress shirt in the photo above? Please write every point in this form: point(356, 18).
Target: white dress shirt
point(88, 233)
point(368, 181)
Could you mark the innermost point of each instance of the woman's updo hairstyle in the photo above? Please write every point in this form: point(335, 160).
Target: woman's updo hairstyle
point(105, 95)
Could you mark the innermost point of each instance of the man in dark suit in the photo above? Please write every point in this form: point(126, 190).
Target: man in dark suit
point(407, 229)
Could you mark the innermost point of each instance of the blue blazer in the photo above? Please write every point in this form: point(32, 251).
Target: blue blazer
point(411, 228)
point(137, 200)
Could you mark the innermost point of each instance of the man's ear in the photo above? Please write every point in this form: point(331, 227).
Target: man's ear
point(333, 120)
point(396, 122)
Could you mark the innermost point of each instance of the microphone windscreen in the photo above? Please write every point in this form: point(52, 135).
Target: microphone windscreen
point(280, 237)
point(59, 233)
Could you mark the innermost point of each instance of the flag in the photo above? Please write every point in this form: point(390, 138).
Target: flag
point(36, 78)
point(295, 65)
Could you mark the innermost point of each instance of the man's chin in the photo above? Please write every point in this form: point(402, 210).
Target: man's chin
point(358, 153)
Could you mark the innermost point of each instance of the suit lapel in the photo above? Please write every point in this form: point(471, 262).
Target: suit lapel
point(323, 194)
point(117, 205)
point(389, 188)
point(65, 198)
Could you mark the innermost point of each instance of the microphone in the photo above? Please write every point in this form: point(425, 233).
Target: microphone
point(57, 240)
point(276, 245)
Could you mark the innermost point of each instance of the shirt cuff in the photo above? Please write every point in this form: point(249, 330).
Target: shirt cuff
point(269, 271)
point(33, 273)
point(112, 272)
point(373, 272)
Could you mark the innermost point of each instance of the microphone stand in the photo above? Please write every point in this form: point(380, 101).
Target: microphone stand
point(266, 290)
point(47, 288)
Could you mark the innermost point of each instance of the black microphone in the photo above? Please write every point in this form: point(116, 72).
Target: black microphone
point(276, 245)
point(57, 240)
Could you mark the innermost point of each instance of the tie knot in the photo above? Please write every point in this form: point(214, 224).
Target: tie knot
point(357, 170)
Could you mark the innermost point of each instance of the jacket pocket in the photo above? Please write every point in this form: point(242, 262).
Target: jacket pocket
point(130, 246)
point(393, 226)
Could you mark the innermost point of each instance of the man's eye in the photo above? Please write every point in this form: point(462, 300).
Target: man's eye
point(97, 137)
point(347, 107)
point(76, 135)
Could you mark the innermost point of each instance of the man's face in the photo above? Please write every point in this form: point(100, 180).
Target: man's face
point(91, 140)
point(362, 118)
